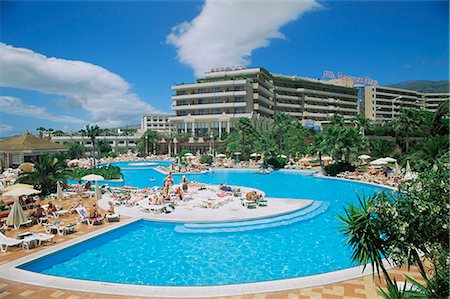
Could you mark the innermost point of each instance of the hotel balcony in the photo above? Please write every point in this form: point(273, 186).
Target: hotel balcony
point(327, 93)
point(262, 90)
point(220, 94)
point(287, 89)
point(209, 84)
point(209, 106)
point(261, 108)
point(287, 97)
point(263, 99)
point(206, 117)
point(287, 105)
point(330, 101)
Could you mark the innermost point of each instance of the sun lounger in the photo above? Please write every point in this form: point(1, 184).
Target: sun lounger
point(5, 242)
point(84, 217)
point(59, 227)
point(249, 204)
point(262, 202)
point(113, 217)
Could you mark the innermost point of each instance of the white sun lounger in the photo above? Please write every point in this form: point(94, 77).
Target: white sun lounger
point(84, 217)
point(5, 242)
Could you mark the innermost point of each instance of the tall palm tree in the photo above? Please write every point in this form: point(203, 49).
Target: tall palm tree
point(406, 125)
point(50, 130)
point(244, 125)
point(92, 132)
point(149, 139)
point(437, 127)
point(361, 123)
point(47, 172)
point(41, 131)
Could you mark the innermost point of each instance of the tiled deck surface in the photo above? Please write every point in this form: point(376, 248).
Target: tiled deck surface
point(364, 287)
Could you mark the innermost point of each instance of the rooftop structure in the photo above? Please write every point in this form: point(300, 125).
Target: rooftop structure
point(26, 148)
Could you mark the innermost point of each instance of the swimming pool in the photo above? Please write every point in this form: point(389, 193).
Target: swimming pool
point(153, 253)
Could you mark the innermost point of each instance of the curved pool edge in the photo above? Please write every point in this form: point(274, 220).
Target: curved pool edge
point(9, 271)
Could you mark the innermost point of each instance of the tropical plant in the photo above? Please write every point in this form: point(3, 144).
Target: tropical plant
point(49, 131)
point(206, 159)
point(76, 150)
point(245, 126)
point(406, 227)
point(149, 142)
point(41, 131)
point(47, 172)
point(406, 125)
point(440, 122)
point(92, 132)
point(381, 147)
point(108, 172)
point(103, 147)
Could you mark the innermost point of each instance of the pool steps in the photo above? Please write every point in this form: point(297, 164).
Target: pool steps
point(316, 208)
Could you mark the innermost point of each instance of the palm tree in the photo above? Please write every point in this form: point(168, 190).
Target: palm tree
point(47, 172)
point(244, 125)
point(362, 124)
point(41, 131)
point(149, 138)
point(50, 130)
point(364, 234)
point(437, 127)
point(92, 132)
point(407, 124)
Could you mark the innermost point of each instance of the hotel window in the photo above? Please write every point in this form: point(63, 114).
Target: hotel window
point(216, 89)
point(215, 100)
point(215, 111)
point(239, 110)
point(201, 90)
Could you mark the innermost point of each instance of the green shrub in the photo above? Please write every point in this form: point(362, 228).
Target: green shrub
point(276, 162)
point(108, 172)
point(206, 159)
point(334, 169)
point(184, 152)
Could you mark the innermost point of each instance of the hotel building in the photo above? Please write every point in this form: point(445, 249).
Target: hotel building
point(215, 101)
point(156, 122)
point(384, 103)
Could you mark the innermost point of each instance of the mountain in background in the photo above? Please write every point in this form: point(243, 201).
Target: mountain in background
point(423, 86)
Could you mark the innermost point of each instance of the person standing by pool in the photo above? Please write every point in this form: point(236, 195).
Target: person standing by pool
point(184, 184)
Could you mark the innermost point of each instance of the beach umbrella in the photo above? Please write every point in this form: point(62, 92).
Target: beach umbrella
point(221, 155)
point(408, 167)
point(327, 158)
point(59, 192)
point(93, 177)
point(364, 157)
point(97, 193)
point(255, 155)
point(26, 167)
point(188, 155)
point(380, 161)
point(21, 191)
point(389, 160)
point(435, 167)
point(282, 156)
point(397, 169)
point(12, 187)
point(16, 215)
point(306, 159)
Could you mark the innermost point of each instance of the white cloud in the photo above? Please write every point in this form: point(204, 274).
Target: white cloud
point(5, 128)
point(103, 94)
point(15, 106)
point(226, 32)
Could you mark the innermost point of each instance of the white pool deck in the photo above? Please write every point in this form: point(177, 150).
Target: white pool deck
point(231, 210)
point(185, 212)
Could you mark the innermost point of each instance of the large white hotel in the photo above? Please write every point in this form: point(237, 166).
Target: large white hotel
point(215, 101)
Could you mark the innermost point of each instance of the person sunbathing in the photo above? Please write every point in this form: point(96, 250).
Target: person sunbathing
point(93, 212)
point(51, 208)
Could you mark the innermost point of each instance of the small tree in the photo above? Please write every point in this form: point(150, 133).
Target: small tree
point(92, 132)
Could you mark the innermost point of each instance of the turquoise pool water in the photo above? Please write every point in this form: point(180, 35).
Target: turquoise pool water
point(152, 253)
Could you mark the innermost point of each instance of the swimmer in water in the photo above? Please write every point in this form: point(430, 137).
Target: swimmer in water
point(152, 179)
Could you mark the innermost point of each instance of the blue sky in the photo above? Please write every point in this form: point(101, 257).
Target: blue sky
point(115, 61)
